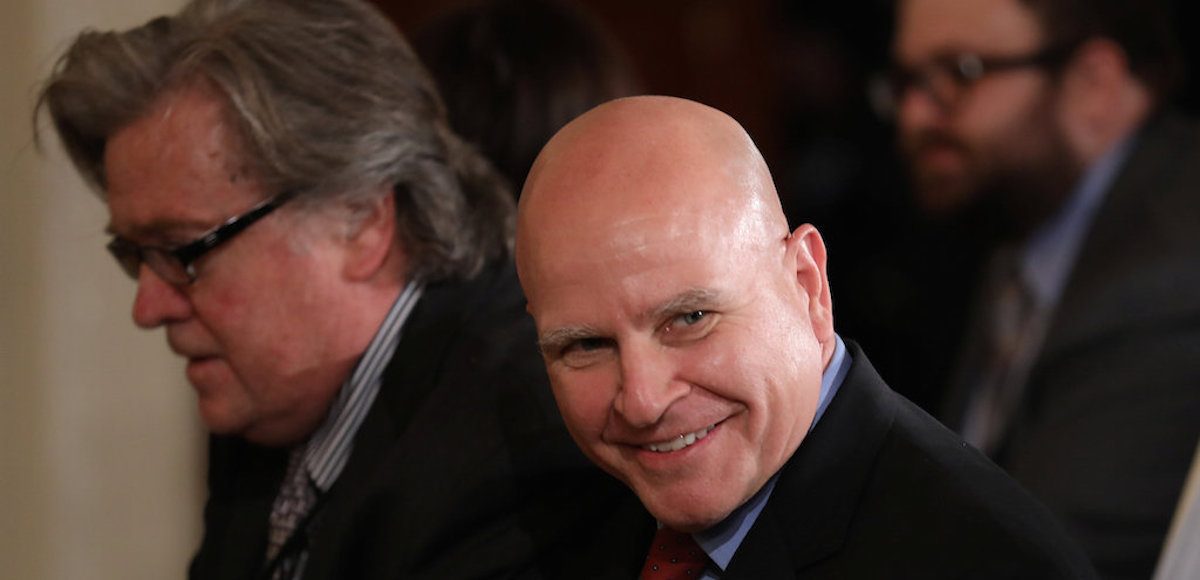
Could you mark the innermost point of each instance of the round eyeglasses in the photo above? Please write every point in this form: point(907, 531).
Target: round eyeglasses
point(946, 79)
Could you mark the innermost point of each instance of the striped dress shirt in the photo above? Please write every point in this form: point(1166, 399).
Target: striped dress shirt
point(329, 447)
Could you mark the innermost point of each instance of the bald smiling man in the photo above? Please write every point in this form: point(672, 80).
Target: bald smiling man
point(689, 339)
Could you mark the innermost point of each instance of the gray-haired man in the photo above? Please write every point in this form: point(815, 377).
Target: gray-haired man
point(333, 264)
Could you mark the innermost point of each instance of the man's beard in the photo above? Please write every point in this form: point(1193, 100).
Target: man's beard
point(1004, 191)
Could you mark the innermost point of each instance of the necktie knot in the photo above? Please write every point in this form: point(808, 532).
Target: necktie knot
point(673, 556)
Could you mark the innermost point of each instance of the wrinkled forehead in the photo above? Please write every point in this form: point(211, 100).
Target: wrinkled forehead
point(581, 240)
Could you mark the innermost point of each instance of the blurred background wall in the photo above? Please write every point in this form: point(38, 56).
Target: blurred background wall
point(101, 453)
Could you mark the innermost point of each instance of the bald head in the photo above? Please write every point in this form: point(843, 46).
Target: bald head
point(647, 153)
point(672, 304)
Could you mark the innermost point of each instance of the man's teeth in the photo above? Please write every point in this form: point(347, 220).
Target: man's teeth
point(679, 442)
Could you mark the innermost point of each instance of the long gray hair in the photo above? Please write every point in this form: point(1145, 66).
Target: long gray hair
point(328, 100)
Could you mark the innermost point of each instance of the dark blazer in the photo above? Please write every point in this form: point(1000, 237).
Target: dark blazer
point(1111, 416)
point(461, 469)
point(879, 489)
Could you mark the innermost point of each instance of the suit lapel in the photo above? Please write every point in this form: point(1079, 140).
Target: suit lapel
point(1119, 259)
point(407, 382)
point(243, 481)
point(413, 371)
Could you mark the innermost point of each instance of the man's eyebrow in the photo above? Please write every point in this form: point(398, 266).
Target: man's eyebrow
point(690, 300)
point(555, 340)
point(686, 301)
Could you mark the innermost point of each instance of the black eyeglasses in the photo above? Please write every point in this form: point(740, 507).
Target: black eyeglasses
point(176, 265)
point(945, 80)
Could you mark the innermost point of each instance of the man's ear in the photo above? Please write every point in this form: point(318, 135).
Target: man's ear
point(806, 255)
point(371, 243)
point(1101, 100)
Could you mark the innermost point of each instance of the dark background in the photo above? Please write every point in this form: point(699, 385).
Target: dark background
point(795, 74)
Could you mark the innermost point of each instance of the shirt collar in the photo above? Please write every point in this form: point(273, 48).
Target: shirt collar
point(1047, 256)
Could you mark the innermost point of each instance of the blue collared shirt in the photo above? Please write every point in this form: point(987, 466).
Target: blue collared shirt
point(722, 540)
point(1047, 258)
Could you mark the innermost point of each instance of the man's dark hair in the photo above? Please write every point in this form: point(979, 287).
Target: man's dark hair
point(513, 72)
point(1141, 27)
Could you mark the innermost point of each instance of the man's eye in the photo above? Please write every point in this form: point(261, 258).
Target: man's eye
point(689, 326)
point(585, 351)
point(586, 344)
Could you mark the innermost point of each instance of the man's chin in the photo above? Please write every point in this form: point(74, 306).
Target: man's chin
point(687, 512)
point(219, 416)
point(942, 194)
point(688, 518)
point(222, 408)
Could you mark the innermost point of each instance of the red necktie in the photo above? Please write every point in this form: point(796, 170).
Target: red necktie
point(673, 556)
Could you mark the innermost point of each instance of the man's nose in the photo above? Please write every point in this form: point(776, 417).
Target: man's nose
point(917, 108)
point(158, 302)
point(649, 385)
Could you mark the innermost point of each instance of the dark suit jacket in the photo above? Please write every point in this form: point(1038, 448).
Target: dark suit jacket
point(462, 468)
point(879, 489)
point(1111, 416)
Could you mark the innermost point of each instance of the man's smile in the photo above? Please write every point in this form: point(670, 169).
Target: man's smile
point(683, 440)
